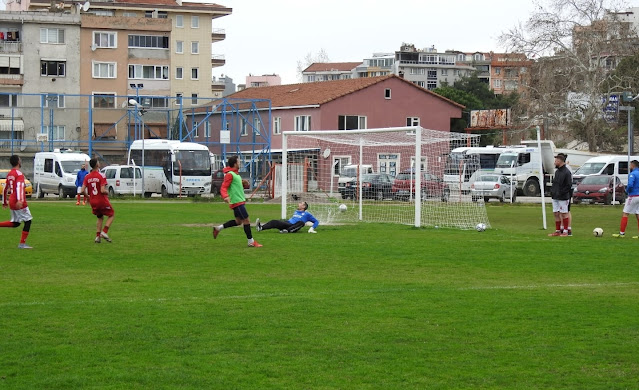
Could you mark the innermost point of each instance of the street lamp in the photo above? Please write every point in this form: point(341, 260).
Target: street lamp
point(139, 111)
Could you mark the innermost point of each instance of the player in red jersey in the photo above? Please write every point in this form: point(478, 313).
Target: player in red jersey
point(17, 201)
point(95, 183)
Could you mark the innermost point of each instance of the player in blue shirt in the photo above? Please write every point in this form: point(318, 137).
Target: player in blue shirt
point(293, 225)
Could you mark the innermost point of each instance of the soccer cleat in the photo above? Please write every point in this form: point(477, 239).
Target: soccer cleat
point(620, 235)
point(284, 231)
point(555, 234)
point(77, 203)
point(24, 246)
point(566, 234)
point(215, 233)
point(97, 240)
point(258, 225)
point(254, 244)
point(84, 203)
point(105, 236)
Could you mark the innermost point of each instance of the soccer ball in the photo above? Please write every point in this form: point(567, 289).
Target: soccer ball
point(342, 207)
point(597, 232)
point(480, 227)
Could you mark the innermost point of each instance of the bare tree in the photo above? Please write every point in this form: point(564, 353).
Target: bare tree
point(309, 59)
point(577, 44)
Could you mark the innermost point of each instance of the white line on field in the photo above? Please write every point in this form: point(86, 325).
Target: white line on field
point(306, 295)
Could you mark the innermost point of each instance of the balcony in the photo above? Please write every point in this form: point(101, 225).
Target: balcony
point(11, 79)
point(217, 60)
point(10, 47)
point(218, 34)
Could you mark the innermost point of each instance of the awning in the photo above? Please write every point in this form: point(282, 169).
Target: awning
point(8, 125)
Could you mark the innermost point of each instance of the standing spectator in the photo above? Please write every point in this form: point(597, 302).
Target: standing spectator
point(560, 193)
point(95, 183)
point(79, 180)
point(232, 192)
point(17, 201)
point(293, 225)
point(632, 202)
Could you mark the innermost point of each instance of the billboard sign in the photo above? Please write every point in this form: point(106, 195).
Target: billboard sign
point(490, 118)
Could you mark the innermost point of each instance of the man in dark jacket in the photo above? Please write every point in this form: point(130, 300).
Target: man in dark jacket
point(560, 192)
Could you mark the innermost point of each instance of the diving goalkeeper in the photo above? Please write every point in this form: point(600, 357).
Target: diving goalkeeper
point(293, 225)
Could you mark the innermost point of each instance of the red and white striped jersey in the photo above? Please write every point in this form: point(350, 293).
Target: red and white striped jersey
point(15, 186)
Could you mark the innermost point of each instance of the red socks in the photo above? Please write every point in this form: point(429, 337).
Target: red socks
point(23, 239)
point(558, 226)
point(624, 224)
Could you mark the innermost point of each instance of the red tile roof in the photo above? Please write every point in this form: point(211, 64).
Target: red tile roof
point(318, 93)
point(332, 66)
point(170, 2)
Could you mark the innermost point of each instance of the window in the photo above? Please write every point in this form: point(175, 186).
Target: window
point(195, 21)
point(412, 121)
point(179, 21)
point(105, 39)
point(51, 35)
point(497, 70)
point(456, 72)
point(339, 162)
point(102, 12)
point(195, 47)
point(152, 101)
point(103, 100)
point(303, 123)
point(421, 84)
point(194, 98)
point(8, 100)
point(497, 83)
point(444, 72)
point(128, 14)
point(104, 70)
point(149, 72)
point(431, 85)
point(244, 127)
point(56, 133)
point(207, 129)
point(179, 73)
point(196, 132)
point(195, 73)
point(156, 14)
point(149, 41)
point(53, 100)
point(53, 68)
point(277, 125)
point(387, 93)
point(351, 122)
point(179, 47)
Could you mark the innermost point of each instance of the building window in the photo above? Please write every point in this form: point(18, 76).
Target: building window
point(497, 83)
point(351, 122)
point(207, 129)
point(53, 100)
point(303, 123)
point(53, 68)
point(151, 101)
point(339, 162)
point(9, 100)
point(310, 78)
point(179, 73)
point(195, 47)
point(128, 14)
point(195, 73)
point(431, 85)
point(103, 100)
point(244, 127)
point(149, 41)
point(387, 93)
point(432, 74)
point(56, 133)
point(51, 35)
point(104, 70)
point(444, 72)
point(149, 72)
point(479, 57)
point(105, 39)
point(421, 84)
point(102, 12)
point(194, 98)
point(277, 125)
point(156, 14)
point(179, 21)
point(412, 121)
point(195, 21)
point(497, 70)
point(179, 47)
point(456, 72)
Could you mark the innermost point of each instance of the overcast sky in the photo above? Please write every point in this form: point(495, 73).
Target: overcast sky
point(271, 36)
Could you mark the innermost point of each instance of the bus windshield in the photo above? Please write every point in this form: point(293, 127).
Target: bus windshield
point(192, 163)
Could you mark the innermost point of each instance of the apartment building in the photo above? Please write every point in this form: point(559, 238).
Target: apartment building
point(329, 71)
point(267, 80)
point(509, 73)
point(381, 64)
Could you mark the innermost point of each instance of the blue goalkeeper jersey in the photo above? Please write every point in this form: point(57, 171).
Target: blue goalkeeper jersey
point(304, 216)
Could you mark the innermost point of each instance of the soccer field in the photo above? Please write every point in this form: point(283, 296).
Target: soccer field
point(364, 306)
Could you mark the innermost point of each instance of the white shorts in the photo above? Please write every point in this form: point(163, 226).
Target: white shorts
point(79, 190)
point(22, 215)
point(632, 205)
point(560, 206)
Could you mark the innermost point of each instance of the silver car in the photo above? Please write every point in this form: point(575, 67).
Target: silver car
point(493, 186)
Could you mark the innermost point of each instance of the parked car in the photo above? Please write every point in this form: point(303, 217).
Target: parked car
point(374, 186)
point(598, 189)
point(120, 180)
point(495, 186)
point(432, 186)
point(28, 188)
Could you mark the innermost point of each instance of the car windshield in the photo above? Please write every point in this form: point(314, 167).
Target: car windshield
point(596, 180)
point(368, 178)
point(589, 168)
point(489, 178)
point(72, 166)
point(404, 176)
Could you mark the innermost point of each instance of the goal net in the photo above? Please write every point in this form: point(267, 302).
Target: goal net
point(393, 175)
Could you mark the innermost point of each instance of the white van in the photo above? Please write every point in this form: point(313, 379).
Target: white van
point(121, 181)
point(604, 165)
point(55, 172)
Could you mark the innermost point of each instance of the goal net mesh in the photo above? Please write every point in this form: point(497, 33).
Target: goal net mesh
point(371, 176)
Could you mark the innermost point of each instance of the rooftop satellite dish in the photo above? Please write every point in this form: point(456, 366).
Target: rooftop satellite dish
point(327, 152)
point(85, 6)
point(124, 104)
point(93, 47)
point(179, 2)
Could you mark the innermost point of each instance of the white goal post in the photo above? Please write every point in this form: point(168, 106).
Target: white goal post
point(375, 174)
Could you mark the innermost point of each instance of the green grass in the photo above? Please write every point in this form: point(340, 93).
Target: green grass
point(367, 306)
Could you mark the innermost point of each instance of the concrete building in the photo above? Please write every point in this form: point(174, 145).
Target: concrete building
point(267, 80)
point(327, 71)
